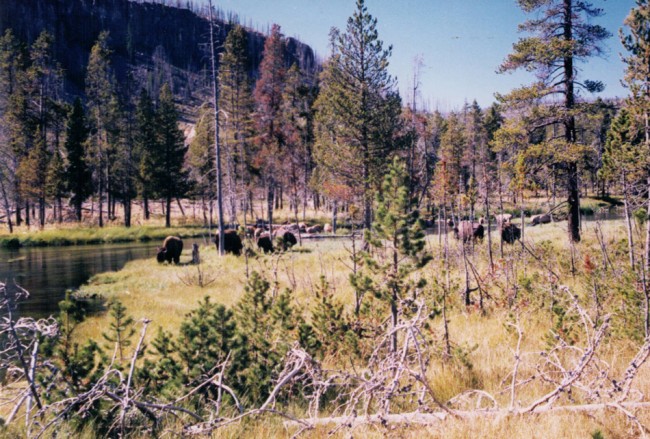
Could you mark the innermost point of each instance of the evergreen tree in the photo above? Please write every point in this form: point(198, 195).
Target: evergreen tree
point(13, 113)
point(268, 103)
point(32, 174)
point(55, 182)
point(621, 161)
point(399, 237)
point(170, 176)
point(77, 174)
point(561, 36)
point(236, 129)
point(120, 330)
point(207, 336)
point(145, 148)
point(637, 79)
point(264, 329)
point(100, 91)
point(201, 158)
point(358, 108)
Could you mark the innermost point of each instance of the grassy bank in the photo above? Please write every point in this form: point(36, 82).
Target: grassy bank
point(81, 235)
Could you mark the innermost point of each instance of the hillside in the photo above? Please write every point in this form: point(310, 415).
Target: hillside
point(140, 38)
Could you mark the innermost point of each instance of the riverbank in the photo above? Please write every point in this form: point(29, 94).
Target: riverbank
point(75, 234)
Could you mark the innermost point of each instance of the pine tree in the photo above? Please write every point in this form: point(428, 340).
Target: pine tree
point(14, 115)
point(170, 176)
point(561, 36)
point(397, 243)
point(77, 174)
point(268, 103)
point(637, 78)
point(120, 330)
point(32, 174)
point(201, 158)
point(358, 109)
point(55, 182)
point(100, 91)
point(145, 148)
point(621, 161)
point(264, 328)
point(207, 336)
point(236, 130)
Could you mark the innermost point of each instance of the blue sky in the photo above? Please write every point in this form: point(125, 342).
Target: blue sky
point(461, 42)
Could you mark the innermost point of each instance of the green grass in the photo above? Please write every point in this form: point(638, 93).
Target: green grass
point(80, 235)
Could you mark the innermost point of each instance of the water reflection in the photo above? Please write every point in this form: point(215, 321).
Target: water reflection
point(47, 272)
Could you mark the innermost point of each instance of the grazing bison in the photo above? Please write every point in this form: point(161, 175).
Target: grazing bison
point(503, 218)
point(171, 250)
point(285, 238)
point(231, 242)
point(314, 229)
point(541, 219)
point(466, 231)
point(510, 232)
point(265, 243)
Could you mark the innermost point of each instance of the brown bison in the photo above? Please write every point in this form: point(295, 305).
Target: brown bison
point(466, 231)
point(231, 242)
point(314, 229)
point(541, 219)
point(171, 250)
point(264, 242)
point(285, 238)
point(510, 232)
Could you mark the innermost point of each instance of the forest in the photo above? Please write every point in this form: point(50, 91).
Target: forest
point(477, 271)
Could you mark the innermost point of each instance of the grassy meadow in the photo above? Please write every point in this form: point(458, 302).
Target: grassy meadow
point(483, 342)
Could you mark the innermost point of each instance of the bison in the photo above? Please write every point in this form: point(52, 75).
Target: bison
point(231, 242)
point(285, 238)
point(510, 232)
point(541, 219)
point(315, 229)
point(264, 242)
point(171, 250)
point(466, 231)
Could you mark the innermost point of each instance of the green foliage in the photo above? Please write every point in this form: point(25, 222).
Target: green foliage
point(207, 336)
point(162, 375)
point(265, 331)
point(120, 330)
point(78, 175)
point(398, 247)
point(169, 173)
point(358, 111)
point(330, 323)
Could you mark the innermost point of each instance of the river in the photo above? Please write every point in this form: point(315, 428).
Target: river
point(47, 272)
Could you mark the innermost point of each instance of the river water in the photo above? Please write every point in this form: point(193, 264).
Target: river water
point(47, 272)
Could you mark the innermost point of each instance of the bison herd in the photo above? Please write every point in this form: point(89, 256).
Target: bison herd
point(283, 237)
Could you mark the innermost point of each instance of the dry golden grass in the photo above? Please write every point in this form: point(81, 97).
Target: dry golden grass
point(158, 292)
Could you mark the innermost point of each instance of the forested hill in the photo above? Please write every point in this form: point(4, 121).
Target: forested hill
point(156, 42)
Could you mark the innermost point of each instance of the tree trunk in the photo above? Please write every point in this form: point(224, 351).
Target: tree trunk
point(146, 207)
point(127, 211)
point(574, 202)
point(628, 221)
point(269, 206)
point(27, 214)
point(100, 202)
point(168, 203)
point(6, 206)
